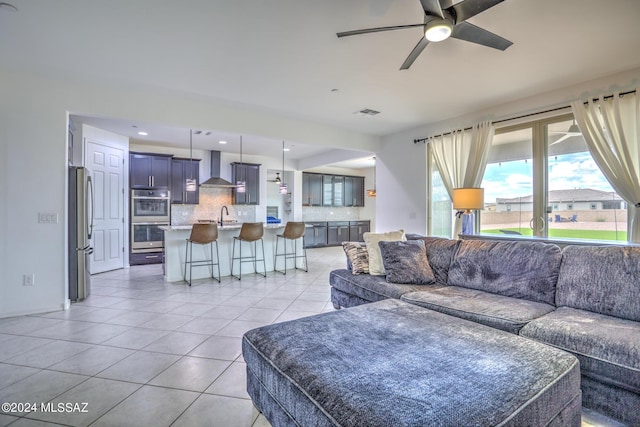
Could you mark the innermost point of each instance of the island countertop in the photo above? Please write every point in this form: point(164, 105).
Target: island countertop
point(234, 226)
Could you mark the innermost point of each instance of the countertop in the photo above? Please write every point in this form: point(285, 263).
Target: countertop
point(235, 226)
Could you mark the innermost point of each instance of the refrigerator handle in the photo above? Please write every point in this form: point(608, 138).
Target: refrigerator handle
point(90, 195)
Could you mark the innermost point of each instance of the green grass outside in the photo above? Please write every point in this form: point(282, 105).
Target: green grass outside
point(570, 234)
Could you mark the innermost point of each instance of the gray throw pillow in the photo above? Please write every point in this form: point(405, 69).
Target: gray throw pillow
point(357, 257)
point(406, 262)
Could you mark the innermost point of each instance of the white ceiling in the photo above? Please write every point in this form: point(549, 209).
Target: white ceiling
point(283, 56)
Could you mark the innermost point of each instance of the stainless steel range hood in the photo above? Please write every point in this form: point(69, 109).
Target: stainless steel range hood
point(215, 181)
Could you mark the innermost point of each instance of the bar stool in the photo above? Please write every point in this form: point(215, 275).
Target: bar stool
point(202, 234)
point(292, 231)
point(250, 232)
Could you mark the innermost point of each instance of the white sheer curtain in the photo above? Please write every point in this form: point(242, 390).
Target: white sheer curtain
point(461, 157)
point(611, 129)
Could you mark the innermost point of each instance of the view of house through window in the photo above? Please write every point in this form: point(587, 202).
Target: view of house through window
point(564, 196)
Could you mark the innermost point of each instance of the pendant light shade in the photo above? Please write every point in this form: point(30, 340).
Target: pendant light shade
point(283, 186)
point(241, 185)
point(190, 184)
point(372, 191)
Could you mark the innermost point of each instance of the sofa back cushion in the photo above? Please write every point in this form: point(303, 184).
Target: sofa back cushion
point(527, 270)
point(601, 279)
point(439, 253)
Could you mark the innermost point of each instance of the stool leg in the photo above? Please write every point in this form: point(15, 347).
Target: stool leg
point(211, 253)
point(233, 256)
point(304, 251)
point(186, 260)
point(218, 261)
point(264, 262)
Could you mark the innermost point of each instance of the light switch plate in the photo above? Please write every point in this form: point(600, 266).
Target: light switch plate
point(47, 218)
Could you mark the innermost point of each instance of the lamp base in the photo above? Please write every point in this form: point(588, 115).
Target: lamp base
point(468, 223)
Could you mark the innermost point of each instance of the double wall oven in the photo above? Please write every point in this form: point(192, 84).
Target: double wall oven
point(150, 209)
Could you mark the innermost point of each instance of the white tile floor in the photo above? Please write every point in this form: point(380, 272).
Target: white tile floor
point(143, 352)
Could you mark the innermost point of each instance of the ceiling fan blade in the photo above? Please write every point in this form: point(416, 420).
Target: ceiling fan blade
point(432, 7)
point(468, 8)
point(414, 53)
point(377, 30)
point(473, 34)
point(562, 138)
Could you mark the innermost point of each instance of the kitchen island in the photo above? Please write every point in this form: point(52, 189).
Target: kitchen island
point(175, 237)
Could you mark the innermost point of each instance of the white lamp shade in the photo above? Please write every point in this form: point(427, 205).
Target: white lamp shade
point(468, 199)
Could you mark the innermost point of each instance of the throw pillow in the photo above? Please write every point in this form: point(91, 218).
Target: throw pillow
point(406, 262)
point(376, 268)
point(357, 256)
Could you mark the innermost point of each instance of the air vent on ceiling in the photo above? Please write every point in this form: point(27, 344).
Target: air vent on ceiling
point(367, 112)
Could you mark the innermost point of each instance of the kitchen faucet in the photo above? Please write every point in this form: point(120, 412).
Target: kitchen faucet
point(222, 210)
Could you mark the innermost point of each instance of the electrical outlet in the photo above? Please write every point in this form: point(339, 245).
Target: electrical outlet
point(47, 218)
point(28, 279)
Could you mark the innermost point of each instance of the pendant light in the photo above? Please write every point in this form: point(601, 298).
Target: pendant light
point(190, 184)
point(241, 186)
point(283, 186)
point(372, 192)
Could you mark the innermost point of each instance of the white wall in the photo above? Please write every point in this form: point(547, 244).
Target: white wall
point(33, 165)
point(402, 166)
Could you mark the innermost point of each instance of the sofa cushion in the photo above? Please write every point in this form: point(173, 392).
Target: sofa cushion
point(369, 288)
point(376, 267)
point(357, 257)
point(406, 262)
point(505, 313)
point(440, 252)
point(527, 270)
point(601, 279)
point(608, 348)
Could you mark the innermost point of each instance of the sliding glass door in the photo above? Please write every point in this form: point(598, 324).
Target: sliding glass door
point(542, 181)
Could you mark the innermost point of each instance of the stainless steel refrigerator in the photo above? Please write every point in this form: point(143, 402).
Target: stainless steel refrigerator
point(80, 229)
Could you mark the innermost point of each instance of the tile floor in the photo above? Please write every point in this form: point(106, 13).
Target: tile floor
point(142, 352)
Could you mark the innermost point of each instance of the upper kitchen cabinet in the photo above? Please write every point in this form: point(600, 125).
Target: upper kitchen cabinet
point(354, 191)
point(311, 189)
point(149, 170)
point(250, 174)
point(181, 170)
point(332, 190)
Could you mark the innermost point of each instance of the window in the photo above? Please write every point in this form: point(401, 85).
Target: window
point(441, 210)
point(547, 163)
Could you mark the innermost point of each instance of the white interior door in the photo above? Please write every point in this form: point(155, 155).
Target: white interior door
point(106, 166)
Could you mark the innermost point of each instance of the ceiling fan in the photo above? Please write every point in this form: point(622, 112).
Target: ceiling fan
point(574, 130)
point(442, 23)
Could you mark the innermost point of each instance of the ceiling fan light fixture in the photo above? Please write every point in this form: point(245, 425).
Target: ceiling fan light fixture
point(438, 30)
point(574, 128)
point(277, 180)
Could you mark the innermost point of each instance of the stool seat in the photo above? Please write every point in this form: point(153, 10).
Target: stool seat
point(292, 231)
point(249, 232)
point(202, 234)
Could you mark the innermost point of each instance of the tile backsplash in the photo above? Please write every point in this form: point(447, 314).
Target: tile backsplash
point(313, 213)
point(211, 201)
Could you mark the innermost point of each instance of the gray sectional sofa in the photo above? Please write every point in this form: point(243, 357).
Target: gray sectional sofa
point(584, 300)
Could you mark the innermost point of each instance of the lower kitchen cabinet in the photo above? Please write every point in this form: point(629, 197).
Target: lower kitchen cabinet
point(337, 232)
point(140, 258)
point(357, 229)
point(333, 233)
point(315, 236)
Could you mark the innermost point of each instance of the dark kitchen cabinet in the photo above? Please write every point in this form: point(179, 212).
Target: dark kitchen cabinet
point(337, 232)
point(250, 173)
point(354, 191)
point(311, 189)
point(149, 170)
point(332, 190)
point(181, 170)
point(315, 236)
point(357, 229)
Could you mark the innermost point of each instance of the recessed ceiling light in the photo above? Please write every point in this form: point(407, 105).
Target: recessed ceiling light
point(143, 133)
point(222, 142)
point(334, 90)
point(286, 149)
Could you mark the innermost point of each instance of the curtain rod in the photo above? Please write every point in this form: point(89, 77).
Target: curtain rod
point(604, 98)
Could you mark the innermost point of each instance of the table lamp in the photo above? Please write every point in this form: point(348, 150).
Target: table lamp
point(465, 201)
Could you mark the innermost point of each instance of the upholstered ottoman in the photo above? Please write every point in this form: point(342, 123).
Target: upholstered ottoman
point(391, 363)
